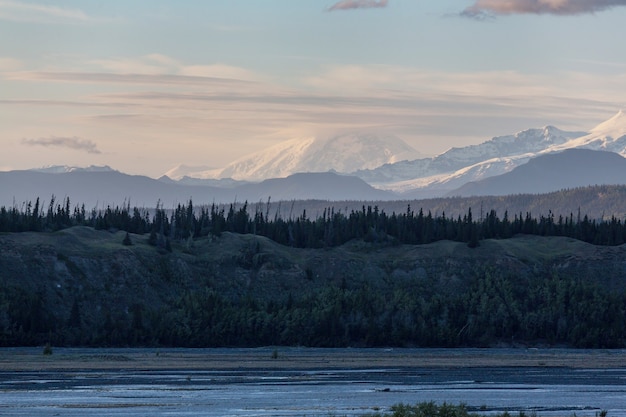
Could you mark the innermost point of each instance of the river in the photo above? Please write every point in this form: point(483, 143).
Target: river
point(546, 390)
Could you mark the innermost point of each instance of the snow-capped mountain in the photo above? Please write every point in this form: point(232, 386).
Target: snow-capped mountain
point(385, 162)
point(439, 184)
point(61, 169)
point(607, 136)
point(343, 153)
point(458, 166)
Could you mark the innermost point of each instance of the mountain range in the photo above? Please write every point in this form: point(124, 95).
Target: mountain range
point(362, 167)
point(417, 178)
point(99, 189)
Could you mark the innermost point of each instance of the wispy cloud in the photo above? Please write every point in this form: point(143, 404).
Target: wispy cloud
point(9, 64)
point(367, 91)
point(151, 64)
point(108, 78)
point(158, 64)
point(357, 4)
point(62, 142)
point(384, 96)
point(153, 69)
point(60, 103)
point(21, 11)
point(488, 8)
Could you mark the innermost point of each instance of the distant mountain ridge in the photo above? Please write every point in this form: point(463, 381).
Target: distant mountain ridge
point(62, 169)
point(115, 188)
point(101, 188)
point(553, 171)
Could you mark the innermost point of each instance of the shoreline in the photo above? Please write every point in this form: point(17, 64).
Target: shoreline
point(288, 358)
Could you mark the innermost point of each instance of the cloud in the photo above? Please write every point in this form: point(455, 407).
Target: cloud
point(219, 71)
point(31, 12)
point(60, 103)
point(9, 64)
point(152, 64)
point(487, 8)
point(158, 64)
point(357, 4)
point(153, 69)
point(61, 142)
point(136, 79)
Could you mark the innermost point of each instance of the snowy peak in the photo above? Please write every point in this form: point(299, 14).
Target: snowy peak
point(348, 153)
point(531, 140)
point(607, 136)
point(343, 153)
point(278, 161)
point(614, 128)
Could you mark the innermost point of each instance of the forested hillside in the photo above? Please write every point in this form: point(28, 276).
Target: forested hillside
point(207, 277)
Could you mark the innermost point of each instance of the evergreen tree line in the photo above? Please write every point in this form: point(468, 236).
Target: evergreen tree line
point(332, 228)
point(496, 308)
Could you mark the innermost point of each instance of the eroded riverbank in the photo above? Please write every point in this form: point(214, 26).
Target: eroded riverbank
point(32, 359)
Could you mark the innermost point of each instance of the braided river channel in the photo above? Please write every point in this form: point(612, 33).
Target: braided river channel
point(307, 382)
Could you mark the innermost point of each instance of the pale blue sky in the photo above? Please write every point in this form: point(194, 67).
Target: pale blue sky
point(146, 85)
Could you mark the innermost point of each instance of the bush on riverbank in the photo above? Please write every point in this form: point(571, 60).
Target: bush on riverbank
point(430, 409)
point(427, 409)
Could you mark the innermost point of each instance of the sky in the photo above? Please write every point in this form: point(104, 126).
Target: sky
point(146, 85)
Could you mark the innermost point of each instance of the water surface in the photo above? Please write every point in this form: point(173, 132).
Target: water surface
point(317, 391)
